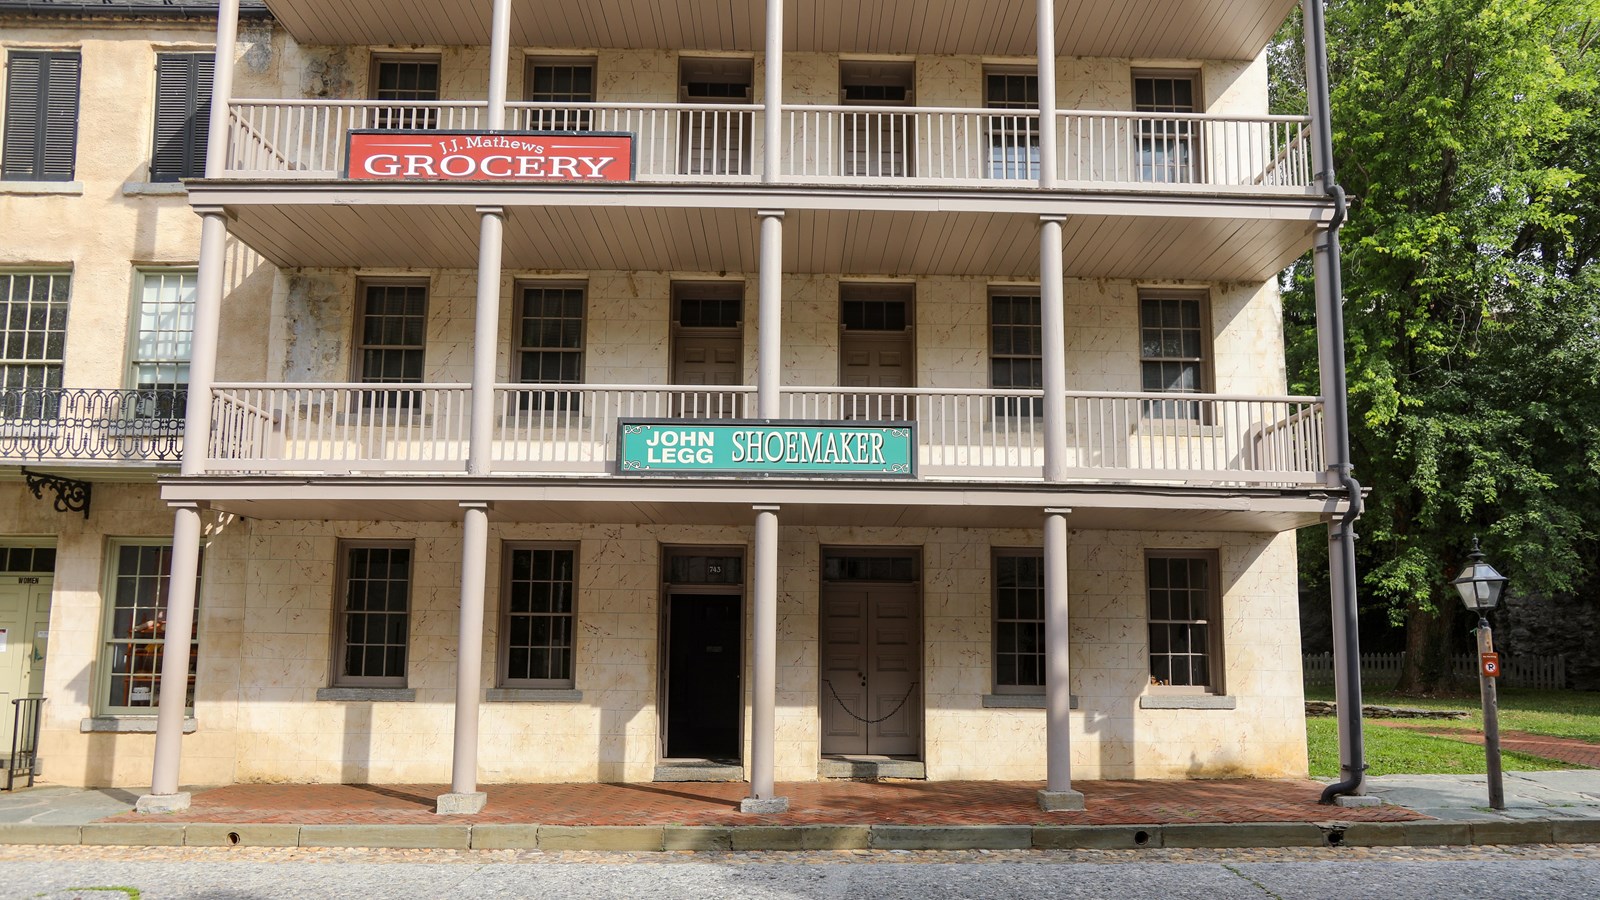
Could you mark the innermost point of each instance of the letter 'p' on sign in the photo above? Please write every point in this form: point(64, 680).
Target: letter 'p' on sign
point(1491, 664)
point(516, 156)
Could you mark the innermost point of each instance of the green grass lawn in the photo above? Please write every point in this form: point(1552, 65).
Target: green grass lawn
point(1390, 751)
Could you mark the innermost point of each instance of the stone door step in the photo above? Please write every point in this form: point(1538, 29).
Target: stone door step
point(698, 770)
point(871, 767)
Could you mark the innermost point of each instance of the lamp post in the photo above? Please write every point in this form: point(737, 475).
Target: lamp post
point(1480, 586)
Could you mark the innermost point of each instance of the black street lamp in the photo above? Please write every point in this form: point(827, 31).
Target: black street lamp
point(1480, 586)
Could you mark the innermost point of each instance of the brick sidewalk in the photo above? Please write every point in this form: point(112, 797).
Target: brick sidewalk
point(811, 803)
point(1560, 749)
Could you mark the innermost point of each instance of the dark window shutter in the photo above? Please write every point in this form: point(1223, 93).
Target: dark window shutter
point(41, 135)
point(183, 113)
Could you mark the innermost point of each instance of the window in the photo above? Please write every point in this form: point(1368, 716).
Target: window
point(41, 130)
point(136, 634)
point(1184, 624)
point(407, 81)
point(1172, 360)
point(537, 616)
point(27, 560)
point(715, 141)
point(183, 110)
point(1167, 146)
point(33, 331)
point(550, 342)
point(163, 331)
point(876, 144)
point(1013, 140)
point(374, 615)
point(1016, 347)
point(563, 81)
point(391, 338)
point(1019, 661)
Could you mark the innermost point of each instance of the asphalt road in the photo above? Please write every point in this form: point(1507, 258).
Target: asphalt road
point(1546, 873)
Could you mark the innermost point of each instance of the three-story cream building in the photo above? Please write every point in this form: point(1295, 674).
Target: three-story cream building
point(764, 392)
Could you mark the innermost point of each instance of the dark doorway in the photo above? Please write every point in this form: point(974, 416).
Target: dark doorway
point(704, 676)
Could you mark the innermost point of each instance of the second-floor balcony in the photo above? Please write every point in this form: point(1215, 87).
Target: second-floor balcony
point(864, 146)
point(550, 430)
point(87, 426)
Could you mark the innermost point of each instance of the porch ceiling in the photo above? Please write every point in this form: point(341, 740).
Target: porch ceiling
point(1225, 240)
point(1190, 29)
point(617, 501)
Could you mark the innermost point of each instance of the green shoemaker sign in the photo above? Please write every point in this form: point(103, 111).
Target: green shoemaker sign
point(769, 448)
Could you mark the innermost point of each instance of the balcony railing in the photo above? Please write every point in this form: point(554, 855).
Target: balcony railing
point(974, 435)
point(700, 143)
point(76, 425)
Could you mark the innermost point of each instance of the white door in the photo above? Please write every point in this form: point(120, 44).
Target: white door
point(24, 636)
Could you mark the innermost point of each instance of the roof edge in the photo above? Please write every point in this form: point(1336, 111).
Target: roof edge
point(122, 9)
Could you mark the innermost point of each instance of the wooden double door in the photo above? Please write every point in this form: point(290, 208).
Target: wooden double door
point(871, 691)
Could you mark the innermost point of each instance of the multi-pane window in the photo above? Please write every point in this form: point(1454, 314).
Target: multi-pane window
point(538, 616)
point(1168, 147)
point(1019, 655)
point(33, 335)
point(564, 82)
point(137, 632)
point(1184, 626)
point(715, 141)
point(899, 569)
point(1016, 347)
point(163, 333)
point(550, 342)
point(392, 336)
point(41, 125)
point(406, 82)
point(183, 109)
point(1013, 140)
point(1172, 352)
point(26, 560)
point(374, 615)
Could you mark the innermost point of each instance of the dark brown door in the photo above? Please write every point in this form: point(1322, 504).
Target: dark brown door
point(871, 664)
point(704, 667)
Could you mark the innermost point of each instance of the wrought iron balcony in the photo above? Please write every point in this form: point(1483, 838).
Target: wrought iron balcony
point(60, 425)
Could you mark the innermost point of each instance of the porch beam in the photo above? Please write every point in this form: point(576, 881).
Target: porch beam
point(164, 796)
point(1058, 793)
point(464, 797)
point(764, 681)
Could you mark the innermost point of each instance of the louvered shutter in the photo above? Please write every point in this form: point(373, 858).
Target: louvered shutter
point(41, 134)
point(19, 158)
point(183, 112)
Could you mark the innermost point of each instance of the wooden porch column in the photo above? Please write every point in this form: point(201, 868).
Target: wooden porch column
point(464, 797)
point(1046, 27)
point(764, 665)
point(164, 796)
point(769, 316)
point(772, 133)
point(1058, 793)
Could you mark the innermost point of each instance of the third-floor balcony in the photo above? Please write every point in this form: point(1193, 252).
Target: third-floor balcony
point(835, 146)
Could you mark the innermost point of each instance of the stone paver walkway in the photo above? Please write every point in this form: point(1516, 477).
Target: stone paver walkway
point(1561, 749)
point(811, 803)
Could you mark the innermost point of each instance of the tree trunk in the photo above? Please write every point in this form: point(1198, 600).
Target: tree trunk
point(1429, 637)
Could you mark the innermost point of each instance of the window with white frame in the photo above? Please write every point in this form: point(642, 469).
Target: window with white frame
point(1016, 348)
point(538, 614)
point(33, 340)
point(163, 338)
point(1019, 650)
point(391, 340)
point(374, 621)
point(136, 630)
point(1185, 620)
point(1013, 140)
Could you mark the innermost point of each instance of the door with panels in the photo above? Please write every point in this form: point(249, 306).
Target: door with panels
point(876, 351)
point(871, 653)
point(708, 349)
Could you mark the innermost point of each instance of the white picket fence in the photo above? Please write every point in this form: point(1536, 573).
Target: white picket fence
point(1381, 670)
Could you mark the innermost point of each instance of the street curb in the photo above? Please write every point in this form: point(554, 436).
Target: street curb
point(657, 838)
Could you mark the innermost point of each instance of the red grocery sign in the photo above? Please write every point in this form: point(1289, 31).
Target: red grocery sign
point(488, 156)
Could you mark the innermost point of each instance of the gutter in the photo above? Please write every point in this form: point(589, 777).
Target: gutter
point(1342, 536)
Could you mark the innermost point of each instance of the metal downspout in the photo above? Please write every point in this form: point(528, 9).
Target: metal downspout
point(1342, 551)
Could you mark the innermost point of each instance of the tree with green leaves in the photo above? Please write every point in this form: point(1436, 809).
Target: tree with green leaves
point(1465, 135)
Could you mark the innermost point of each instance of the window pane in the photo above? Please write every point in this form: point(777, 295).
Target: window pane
point(539, 620)
point(1179, 615)
point(376, 599)
point(137, 629)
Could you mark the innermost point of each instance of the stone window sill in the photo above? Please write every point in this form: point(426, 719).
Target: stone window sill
point(130, 725)
point(1188, 701)
point(368, 695)
point(1018, 701)
point(533, 695)
point(154, 189)
point(42, 188)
